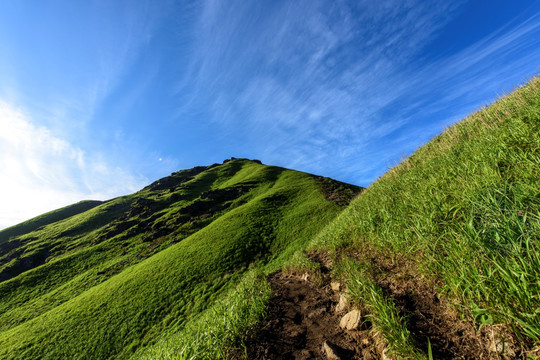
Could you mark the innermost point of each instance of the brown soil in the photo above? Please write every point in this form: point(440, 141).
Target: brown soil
point(432, 317)
point(300, 318)
point(429, 316)
point(338, 192)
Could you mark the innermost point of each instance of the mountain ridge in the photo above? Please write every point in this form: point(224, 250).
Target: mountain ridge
point(205, 222)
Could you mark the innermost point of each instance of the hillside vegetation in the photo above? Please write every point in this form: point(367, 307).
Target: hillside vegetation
point(440, 255)
point(104, 280)
point(442, 252)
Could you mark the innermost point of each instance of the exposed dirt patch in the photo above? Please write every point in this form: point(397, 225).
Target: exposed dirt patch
point(302, 316)
point(323, 260)
point(338, 192)
point(300, 319)
point(429, 316)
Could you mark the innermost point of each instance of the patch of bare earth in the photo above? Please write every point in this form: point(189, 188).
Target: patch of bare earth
point(432, 317)
point(302, 324)
point(304, 317)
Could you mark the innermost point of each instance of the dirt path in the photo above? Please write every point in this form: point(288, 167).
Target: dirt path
point(300, 319)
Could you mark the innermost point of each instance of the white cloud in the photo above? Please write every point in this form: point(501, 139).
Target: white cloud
point(40, 172)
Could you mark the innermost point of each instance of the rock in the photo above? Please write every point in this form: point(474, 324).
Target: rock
point(335, 285)
point(305, 277)
point(386, 356)
point(342, 305)
point(305, 355)
point(330, 351)
point(502, 348)
point(351, 320)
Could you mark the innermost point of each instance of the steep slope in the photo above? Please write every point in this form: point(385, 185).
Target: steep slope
point(107, 281)
point(442, 252)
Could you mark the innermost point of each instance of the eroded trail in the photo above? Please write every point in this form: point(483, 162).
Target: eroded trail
point(300, 320)
point(303, 320)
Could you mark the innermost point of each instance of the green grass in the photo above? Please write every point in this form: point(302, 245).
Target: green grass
point(381, 311)
point(46, 219)
point(220, 331)
point(176, 270)
point(465, 208)
point(114, 279)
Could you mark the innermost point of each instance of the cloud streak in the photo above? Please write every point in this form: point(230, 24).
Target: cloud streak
point(333, 87)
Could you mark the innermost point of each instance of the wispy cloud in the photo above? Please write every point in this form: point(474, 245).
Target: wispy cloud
point(342, 87)
point(56, 147)
point(118, 50)
point(86, 51)
point(41, 172)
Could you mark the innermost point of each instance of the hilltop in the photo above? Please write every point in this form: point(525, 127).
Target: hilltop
point(105, 279)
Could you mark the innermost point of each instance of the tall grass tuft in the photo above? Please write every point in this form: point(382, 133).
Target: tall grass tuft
point(381, 311)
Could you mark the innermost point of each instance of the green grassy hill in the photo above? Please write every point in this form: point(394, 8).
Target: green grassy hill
point(441, 254)
point(445, 246)
point(104, 280)
point(46, 219)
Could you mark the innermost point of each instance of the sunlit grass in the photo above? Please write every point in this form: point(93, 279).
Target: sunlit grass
point(220, 331)
point(105, 283)
point(381, 311)
point(123, 274)
point(466, 209)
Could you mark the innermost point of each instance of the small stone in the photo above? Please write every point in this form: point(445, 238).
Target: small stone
point(330, 351)
point(503, 348)
point(342, 305)
point(386, 356)
point(305, 355)
point(335, 285)
point(305, 277)
point(351, 320)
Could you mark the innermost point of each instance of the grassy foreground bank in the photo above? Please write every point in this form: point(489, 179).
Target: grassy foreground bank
point(463, 214)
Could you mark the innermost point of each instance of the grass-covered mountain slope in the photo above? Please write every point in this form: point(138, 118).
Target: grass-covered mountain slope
point(442, 253)
point(139, 274)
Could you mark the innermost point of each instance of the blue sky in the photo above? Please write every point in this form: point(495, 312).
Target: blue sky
point(99, 98)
